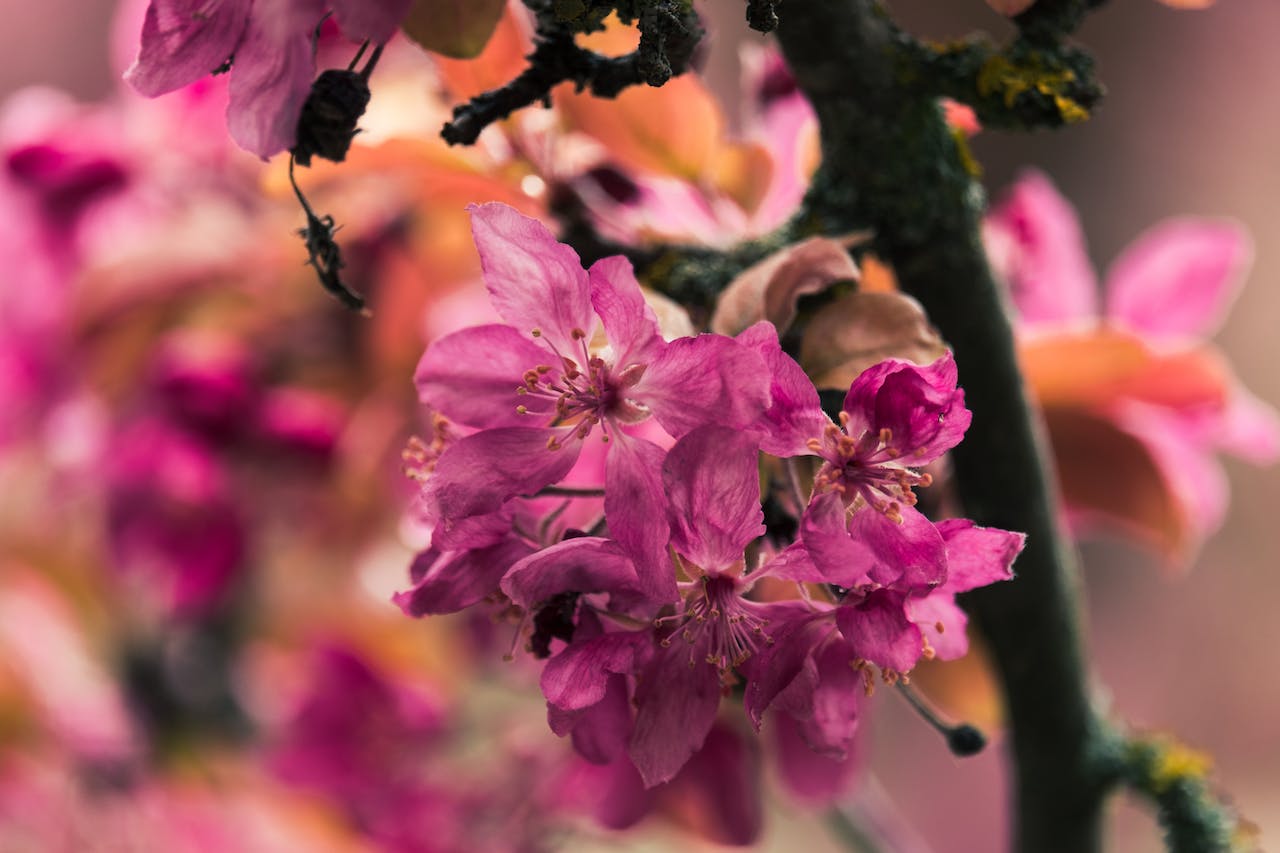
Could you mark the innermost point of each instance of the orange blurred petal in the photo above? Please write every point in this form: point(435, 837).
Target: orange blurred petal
point(743, 171)
point(672, 130)
point(501, 60)
point(1110, 476)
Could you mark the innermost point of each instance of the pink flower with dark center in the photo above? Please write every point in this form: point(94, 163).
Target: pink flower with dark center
point(542, 383)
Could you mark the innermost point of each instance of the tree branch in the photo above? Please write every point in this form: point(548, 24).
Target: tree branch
point(889, 164)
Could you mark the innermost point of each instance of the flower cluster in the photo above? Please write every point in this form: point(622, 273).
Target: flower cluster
point(602, 486)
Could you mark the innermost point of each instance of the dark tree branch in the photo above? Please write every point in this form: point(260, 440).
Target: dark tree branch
point(889, 164)
point(669, 32)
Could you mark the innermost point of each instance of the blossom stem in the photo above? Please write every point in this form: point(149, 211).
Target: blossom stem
point(570, 492)
point(851, 833)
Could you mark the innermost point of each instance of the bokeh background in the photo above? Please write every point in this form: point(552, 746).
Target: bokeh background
point(1191, 125)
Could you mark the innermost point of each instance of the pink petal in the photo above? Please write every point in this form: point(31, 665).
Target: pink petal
point(375, 20)
point(629, 322)
point(709, 379)
point(795, 413)
point(939, 609)
point(909, 555)
point(184, 40)
point(472, 375)
point(635, 508)
point(787, 662)
point(1179, 278)
point(1250, 428)
point(920, 406)
point(817, 780)
point(827, 711)
point(824, 530)
point(712, 482)
point(601, 732)
point(676, 706)
point(721, 786)
point(481, 472)
point(449, 582)
point(586, 564)
point(793, 564)
point(878, 630)
point(271, 79)
point(977, 556)
point(578, 677)
point(534, 281)
point(1035, 244)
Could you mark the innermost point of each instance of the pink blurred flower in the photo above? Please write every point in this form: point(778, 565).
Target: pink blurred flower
point(1132, 392)
point(270, 45)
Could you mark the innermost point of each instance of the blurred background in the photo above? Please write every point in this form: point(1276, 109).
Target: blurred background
point(1191, 125)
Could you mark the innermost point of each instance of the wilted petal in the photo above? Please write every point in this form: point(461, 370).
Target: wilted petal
point(535, 281)
point(676, 706)
point(861, 329)
point(1010, 7)
point(481, 472)
point(712, 485)
point(709, 379)
point(769, 289)
point(184, 40)
point(628, 320)
point(455, 28)
point(878, 630)
point(1179, 278)
point(585, 564)
point(451, 581)
point(1035, 244)
point(472, 375)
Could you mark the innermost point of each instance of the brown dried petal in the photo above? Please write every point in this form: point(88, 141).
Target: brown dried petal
point(859, 330)
point(769, 289)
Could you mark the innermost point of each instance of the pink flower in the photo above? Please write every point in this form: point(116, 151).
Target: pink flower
point(538, 385)
point(1131, 390)
point(270, 44)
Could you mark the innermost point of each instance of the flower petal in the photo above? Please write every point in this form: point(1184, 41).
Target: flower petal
point(578, 677)
point(795, 412)
point(709, 379)
point(472, 375)
point(920, 406)
point(909, 554)
point(451, 581)
point(816, 779)
point(824, 530)
point(676, 705)
point(586, 564)
point(1035, 244)
point(634, 507)
point(272, 77)
point(942, 622)
point(878, 630)
point(977, 556)
point(712, 483)
point(534, 281)
point(374, 20)
point(1179, 278)
point(628, 320)
point(185, 40)
point(481, 472)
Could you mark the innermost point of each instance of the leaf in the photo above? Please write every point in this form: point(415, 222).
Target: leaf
point(455, 28)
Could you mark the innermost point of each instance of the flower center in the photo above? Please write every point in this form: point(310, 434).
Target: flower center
point(865, 469)
point(719, 625)
point(584, 392)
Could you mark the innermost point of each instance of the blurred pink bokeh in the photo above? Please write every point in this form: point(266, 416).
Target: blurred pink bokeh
point(1191, 125)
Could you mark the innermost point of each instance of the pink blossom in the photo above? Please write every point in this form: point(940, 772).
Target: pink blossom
point(540, 384)
point(1128, 368)
point(270, 45)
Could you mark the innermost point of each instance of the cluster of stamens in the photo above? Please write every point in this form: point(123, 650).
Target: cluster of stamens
point(419, 457)
point(715, 618)
point(865, 469)
point(583, 391)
